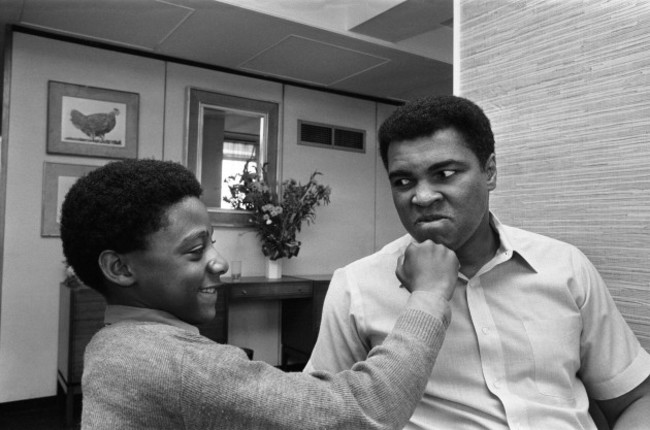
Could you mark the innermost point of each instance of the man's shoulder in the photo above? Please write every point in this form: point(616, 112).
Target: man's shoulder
point(388, 252)
point(520, 236)
point(537, 247)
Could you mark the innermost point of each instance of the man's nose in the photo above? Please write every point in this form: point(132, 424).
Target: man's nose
point(425, 195)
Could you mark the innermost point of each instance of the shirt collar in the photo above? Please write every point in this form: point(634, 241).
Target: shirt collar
point(509, 246)
point(118, 313)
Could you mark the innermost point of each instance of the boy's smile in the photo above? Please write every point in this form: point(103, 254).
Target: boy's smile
point(180, 269)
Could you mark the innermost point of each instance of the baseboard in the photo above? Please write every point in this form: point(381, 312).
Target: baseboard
point(40, 403)
point(51, 402)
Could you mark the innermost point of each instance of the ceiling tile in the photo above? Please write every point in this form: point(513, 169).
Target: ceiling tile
point(415, 16)
point(312, 61)
point(142, 24)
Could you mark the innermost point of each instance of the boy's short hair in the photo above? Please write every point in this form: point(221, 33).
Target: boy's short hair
point(117, 207)
point(425, 116)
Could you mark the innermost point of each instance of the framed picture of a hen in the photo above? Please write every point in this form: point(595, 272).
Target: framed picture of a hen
point(92, 122)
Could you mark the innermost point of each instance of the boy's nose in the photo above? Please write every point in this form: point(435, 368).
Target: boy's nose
point(218, 266)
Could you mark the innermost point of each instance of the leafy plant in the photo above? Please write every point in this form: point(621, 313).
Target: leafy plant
point(277, 219)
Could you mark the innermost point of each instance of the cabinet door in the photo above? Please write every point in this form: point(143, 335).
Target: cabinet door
point(301, 321)
point(320, 291)
point(81, 316)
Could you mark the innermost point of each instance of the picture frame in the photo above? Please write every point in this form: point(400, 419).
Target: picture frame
point(57, 180)
point(92, 122)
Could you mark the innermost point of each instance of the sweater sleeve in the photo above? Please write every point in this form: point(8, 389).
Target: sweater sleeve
point(222, 389)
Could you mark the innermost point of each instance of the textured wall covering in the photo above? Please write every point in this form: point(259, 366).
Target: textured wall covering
point(566, 84)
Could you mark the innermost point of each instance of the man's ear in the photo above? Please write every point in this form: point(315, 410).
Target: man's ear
point(115, 268)
point(491, 171)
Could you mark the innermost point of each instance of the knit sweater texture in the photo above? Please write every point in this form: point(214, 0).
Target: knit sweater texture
point(148, 375)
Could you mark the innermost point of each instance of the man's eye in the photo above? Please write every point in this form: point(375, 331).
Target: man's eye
point(446, 173)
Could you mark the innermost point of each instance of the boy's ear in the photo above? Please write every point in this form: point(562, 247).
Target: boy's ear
point(115, 269)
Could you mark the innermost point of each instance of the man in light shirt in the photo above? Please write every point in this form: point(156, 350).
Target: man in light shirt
point(535, 332)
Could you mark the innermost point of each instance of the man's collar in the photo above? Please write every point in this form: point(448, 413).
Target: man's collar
point(508, 246)
point(119, 313)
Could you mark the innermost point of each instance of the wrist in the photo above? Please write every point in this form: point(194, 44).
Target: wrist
point(433, 303)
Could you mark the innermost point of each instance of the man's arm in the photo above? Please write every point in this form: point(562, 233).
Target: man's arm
point(629, 411)
point(614, 366)
point(339, 344)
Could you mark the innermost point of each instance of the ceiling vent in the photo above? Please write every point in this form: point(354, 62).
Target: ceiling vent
point(330, 136)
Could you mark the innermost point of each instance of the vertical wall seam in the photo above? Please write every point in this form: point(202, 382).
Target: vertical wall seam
point(4, 150)
point(375, 182)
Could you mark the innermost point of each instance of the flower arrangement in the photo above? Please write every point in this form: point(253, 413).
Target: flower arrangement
point(277, 219)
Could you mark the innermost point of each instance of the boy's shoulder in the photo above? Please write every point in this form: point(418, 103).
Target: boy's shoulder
point(139, 336)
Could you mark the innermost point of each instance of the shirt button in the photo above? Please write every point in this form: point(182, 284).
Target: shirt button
point(497, 384)
point(485, 330)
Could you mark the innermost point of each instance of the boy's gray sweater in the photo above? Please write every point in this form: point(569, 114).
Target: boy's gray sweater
point(151, 375)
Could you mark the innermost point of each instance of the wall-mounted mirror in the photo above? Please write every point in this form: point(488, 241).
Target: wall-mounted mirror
point(224, 132)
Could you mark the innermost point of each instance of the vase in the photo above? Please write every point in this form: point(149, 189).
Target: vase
point(273, 268)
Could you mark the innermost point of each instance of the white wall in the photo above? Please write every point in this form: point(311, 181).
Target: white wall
point(32, 266)
point(387, 224)
point(344, 230)
point(356, 222)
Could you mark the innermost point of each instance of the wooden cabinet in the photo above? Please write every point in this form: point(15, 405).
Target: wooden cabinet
point(301, 318)
point(260, 288)
point(81, 315)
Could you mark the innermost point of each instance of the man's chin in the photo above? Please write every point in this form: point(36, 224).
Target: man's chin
point(436, 236)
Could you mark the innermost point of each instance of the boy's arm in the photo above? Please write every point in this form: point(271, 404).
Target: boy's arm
point(339, 344)
point(378, 393)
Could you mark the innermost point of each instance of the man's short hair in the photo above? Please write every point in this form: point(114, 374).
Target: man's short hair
point(117, 207)
point(425, 116)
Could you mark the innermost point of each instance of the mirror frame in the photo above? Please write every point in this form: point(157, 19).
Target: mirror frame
point(201, 99)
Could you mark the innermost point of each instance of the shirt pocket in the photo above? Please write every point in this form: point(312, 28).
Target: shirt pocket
point(556, 354)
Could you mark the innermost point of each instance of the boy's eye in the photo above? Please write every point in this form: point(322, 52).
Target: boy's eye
point(197, 251)
point(401, 182)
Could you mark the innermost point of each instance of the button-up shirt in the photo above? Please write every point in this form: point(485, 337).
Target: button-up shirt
point(531, 333)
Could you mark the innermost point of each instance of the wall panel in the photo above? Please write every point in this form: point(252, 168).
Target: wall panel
point(566, 85)
point(388, 227)
point(33, 265)
point(344, 230)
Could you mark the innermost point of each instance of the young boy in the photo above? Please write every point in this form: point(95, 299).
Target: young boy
point(137, 232)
